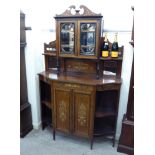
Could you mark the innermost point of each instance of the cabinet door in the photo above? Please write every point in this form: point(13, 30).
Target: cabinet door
point(83, 113)
point(88, 32)
point(66, 34)
point(62, 109)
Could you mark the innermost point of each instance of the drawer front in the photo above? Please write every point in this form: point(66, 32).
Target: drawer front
point(74, 86)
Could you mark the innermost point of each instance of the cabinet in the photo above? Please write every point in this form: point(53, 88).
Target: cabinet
point(46, 104)
point(126, 141)
point(82, 99)
point(107, 101)
point(25, 107)
point(78, 38)
point(74, 109)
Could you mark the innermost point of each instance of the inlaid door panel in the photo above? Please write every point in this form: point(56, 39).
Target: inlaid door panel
point(62, 109)
point(82, 113)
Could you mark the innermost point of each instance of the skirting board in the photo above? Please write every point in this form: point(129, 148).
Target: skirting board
point(117, 137)
point(37, 125)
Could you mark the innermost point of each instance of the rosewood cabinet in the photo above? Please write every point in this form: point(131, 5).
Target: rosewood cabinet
point(81, 98)
point(81, 105)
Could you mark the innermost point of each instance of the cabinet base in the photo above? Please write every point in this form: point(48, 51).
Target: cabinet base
point(126, 141)
point(25, 119)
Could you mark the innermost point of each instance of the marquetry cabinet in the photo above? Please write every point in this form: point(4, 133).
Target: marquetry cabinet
point(79, 90)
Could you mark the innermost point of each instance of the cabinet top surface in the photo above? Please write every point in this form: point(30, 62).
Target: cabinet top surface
point(81, 79)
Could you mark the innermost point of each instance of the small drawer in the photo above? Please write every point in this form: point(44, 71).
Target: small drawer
point(75, 86)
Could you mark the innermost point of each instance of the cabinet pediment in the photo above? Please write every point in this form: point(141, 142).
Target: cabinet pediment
point(73, 12)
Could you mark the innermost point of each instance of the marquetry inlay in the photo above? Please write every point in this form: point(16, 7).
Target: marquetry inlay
point(62, 111)
point(82, 115)
point(80, 66)
point(73, 86)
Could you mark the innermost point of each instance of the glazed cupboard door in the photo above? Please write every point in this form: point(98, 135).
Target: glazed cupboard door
point(83, 113)
point(62, 106)
point(88, 38)
point(66, 34)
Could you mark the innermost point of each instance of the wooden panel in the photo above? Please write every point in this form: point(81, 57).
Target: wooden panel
point(108, 87)
point(130, 106)
point(22, 28)
point(128, 135)
point(83, 113)
point(62, 109)
point(126, 142)
point(83, 79)
point(66, 85)
point(25, 119)
point(80, 66)
point(25, 107)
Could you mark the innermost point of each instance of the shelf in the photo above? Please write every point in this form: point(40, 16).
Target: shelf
point(110, 58)
point(46, 120)
point(47, 103)
point(107, 130)
point(99, 114)
point(50, 53)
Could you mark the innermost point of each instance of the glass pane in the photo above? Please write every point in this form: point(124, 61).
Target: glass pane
point(67, 31)
point(87, 38)
point(88, 27)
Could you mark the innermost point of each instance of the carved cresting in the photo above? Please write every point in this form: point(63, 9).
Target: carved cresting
point(82, 115)
point(62, 110)
point(88, 12)
point(84, 11)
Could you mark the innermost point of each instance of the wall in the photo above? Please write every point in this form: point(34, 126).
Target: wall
point(117, 18)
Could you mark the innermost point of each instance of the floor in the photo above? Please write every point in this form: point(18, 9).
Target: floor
point(39, 142)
